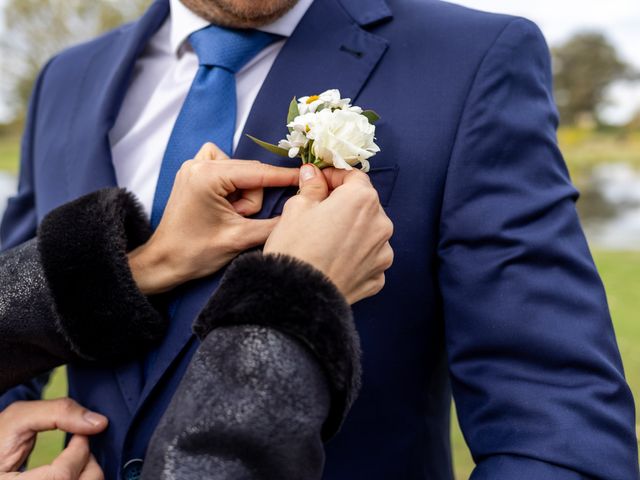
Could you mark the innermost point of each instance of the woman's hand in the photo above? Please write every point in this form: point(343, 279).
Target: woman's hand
point(345, 233)
point(204, 226)
point(21, 422)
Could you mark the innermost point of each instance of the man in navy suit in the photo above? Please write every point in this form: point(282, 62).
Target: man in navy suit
point(493, 294)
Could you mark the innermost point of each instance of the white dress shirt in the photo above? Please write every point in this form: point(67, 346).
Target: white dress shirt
point(161, 80)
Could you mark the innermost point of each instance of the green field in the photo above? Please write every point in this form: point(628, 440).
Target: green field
point(620, 272)
point(9, 148)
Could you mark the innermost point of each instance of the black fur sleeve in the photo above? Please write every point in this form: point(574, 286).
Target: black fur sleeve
point(83, 247)
point(293, 297)
point(274, 376)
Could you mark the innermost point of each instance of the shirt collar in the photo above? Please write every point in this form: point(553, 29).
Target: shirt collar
point(184, 22)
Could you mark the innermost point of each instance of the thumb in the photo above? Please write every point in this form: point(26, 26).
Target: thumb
point(313, 185)
point(59, 414)
point(256, 232)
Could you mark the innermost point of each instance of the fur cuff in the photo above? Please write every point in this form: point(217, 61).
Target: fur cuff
point(292, 296)
point(83, 246)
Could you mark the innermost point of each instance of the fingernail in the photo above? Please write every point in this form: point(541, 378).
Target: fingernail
point(94, 419)
point(307, 172)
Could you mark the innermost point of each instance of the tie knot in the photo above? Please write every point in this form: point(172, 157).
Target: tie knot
point(228, 48)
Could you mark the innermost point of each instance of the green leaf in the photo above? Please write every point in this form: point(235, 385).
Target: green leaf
point(270, 147)
point(293, 110)
point(372, 116)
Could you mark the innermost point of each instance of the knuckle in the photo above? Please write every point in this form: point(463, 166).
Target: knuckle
point(314, 187)
point(66, 405)
point(388, 228)
point(186, 168)
point(188, 164)
point(376, 285)
point(367, 195)
point(372, 195)
point(388, 258)
point(358, 174)
point(294, 203)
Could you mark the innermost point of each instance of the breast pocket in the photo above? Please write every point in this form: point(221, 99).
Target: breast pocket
point(382, 178)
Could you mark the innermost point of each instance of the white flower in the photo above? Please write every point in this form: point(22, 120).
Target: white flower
point(342, 138)
point(294, 142)
point(303, 123)
point(309, 104)
point(329, 131)
point(328, 99)
point(352, 108)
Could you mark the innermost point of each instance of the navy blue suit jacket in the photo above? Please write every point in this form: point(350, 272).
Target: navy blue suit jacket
point(493, 291)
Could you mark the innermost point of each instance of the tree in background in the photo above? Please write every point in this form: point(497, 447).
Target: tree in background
point(584, 68)
point(35, 30)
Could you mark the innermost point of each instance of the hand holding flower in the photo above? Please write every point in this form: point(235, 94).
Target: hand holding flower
point(337, 225)
point(204, 226)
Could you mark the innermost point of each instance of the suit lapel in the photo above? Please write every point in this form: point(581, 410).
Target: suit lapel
point(98, 102)
point(327, 50)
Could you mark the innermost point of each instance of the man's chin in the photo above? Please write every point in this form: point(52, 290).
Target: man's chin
point(240, 13)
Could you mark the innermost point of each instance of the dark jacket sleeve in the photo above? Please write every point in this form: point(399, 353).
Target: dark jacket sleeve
point(19, 223)
point(69, 295)
point(276, 373)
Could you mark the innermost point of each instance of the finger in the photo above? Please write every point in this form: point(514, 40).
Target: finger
point(92, 471)
point(337, 177)
point(313, 184)
point(250, 202)
point(260, 175)
point(210, 151)
point(255, 232)
point(73, 459)
point(59, 414)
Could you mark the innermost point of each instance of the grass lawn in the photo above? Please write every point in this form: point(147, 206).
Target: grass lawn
point(49, 444)
point(9, 149)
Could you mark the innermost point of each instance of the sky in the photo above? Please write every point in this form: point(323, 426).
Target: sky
point(619, 20)
point(559, 19)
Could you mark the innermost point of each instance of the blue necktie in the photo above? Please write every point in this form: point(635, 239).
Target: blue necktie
point(209, 111)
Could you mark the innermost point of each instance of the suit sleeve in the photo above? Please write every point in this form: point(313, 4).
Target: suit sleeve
point(535, 369)
point(19, 223)
point(274, 377)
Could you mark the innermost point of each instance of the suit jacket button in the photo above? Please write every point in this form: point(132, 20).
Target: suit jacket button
point(132, 470)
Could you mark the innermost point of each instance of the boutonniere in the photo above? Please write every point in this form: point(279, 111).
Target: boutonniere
point(328, 131)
